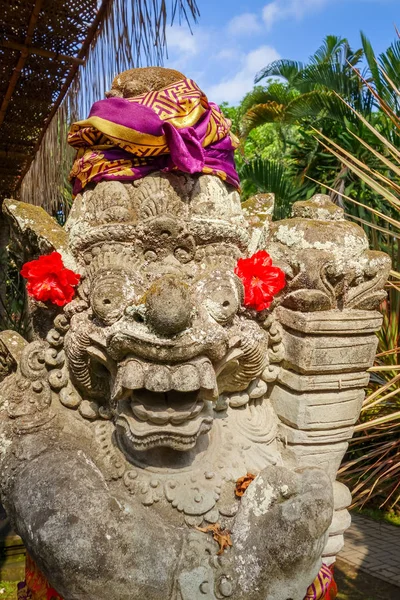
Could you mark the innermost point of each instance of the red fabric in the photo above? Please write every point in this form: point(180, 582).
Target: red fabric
point(35, 586)
point(323, 587)
point(332, 592)
point(48, 279)
point(261, 280)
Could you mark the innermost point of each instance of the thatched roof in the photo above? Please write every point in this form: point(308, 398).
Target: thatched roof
point(42, 45)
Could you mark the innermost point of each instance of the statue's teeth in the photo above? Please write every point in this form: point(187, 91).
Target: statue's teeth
point(207, 376)
point(140, 412)
point(178, 418)
point(132, 375)
point(158, 418)
point(186, 378)
point(158, 379)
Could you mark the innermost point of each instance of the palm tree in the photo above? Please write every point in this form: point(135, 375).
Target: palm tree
point(311, 88)
point(310, 99)
point(372, 465)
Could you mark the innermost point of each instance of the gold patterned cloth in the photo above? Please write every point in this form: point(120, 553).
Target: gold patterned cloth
point(175, 128)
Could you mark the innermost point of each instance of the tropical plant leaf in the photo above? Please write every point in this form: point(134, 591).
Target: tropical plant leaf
point(333, 47)
point(260, 114)
point(372, 63)
point(320, 104)
point(287, 69)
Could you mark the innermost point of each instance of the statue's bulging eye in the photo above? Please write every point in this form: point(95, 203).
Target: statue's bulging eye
point(221, 297)
point(109, 298)
point(184, 255)
point(150, 255)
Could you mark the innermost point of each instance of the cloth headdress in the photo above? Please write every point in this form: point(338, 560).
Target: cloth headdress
point(175, 128)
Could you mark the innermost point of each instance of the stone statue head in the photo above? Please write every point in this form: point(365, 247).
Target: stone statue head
point(159, 338)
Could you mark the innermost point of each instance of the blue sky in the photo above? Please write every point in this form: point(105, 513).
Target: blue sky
point(234, 39)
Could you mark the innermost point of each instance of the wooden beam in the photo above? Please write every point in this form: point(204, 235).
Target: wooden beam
point(21, 61)
point(15, 155)
point(41, 52)
point(17, 144)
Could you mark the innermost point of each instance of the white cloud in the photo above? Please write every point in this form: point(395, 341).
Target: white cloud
point(180, 39)
point(232, 89)
point(228, 54)
point(245, 24)
point(185, 49)
point(287, 9)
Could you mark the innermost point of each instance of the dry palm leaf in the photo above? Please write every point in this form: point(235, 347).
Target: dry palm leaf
point(221, 536)
point(243, 483)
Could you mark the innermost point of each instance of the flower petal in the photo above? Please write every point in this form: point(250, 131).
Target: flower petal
point(48, 279)
point(261, 280)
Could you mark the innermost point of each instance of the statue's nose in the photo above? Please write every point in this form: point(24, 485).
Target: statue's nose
point(168, 306)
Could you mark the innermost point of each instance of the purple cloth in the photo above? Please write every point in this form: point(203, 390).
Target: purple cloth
point(141, 152)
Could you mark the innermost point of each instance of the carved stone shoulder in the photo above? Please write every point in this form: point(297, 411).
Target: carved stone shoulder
point(11, 348)
point(33, 231)
point(327, 259)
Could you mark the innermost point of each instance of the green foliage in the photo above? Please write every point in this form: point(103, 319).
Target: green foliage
point(308, 100)
point(8, 590)
point(13, 302)
point(278, 179)
point(326, 127)
point(378, 515)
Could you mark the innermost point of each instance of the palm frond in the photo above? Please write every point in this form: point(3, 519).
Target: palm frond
point(335, 49)
point(274, 177)
point(331, 76)
point(270, 112)
point(258, 95)
point(372, 64)
point(318, 104)
point(390, 62)
point(287, 69)
point(329, 48)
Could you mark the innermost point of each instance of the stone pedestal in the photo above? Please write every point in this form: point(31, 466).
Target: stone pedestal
point(320, 391)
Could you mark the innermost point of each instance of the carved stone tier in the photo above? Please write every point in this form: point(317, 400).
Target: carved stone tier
point(320, 391)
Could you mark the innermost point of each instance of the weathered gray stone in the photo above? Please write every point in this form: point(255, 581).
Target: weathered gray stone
point(341, 496)
point(126, 426)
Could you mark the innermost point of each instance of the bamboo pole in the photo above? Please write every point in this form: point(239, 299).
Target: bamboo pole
point(41, 52)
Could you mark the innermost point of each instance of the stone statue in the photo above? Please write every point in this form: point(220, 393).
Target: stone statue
point(125, 425)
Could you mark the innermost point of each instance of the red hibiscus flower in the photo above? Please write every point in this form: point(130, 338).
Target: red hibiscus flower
point(261, 280)
point(48, 279)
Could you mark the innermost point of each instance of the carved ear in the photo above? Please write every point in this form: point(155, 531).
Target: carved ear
point(11, 347)
point(34, 232)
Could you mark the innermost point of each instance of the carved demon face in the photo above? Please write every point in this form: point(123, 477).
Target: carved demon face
point(161, 339)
